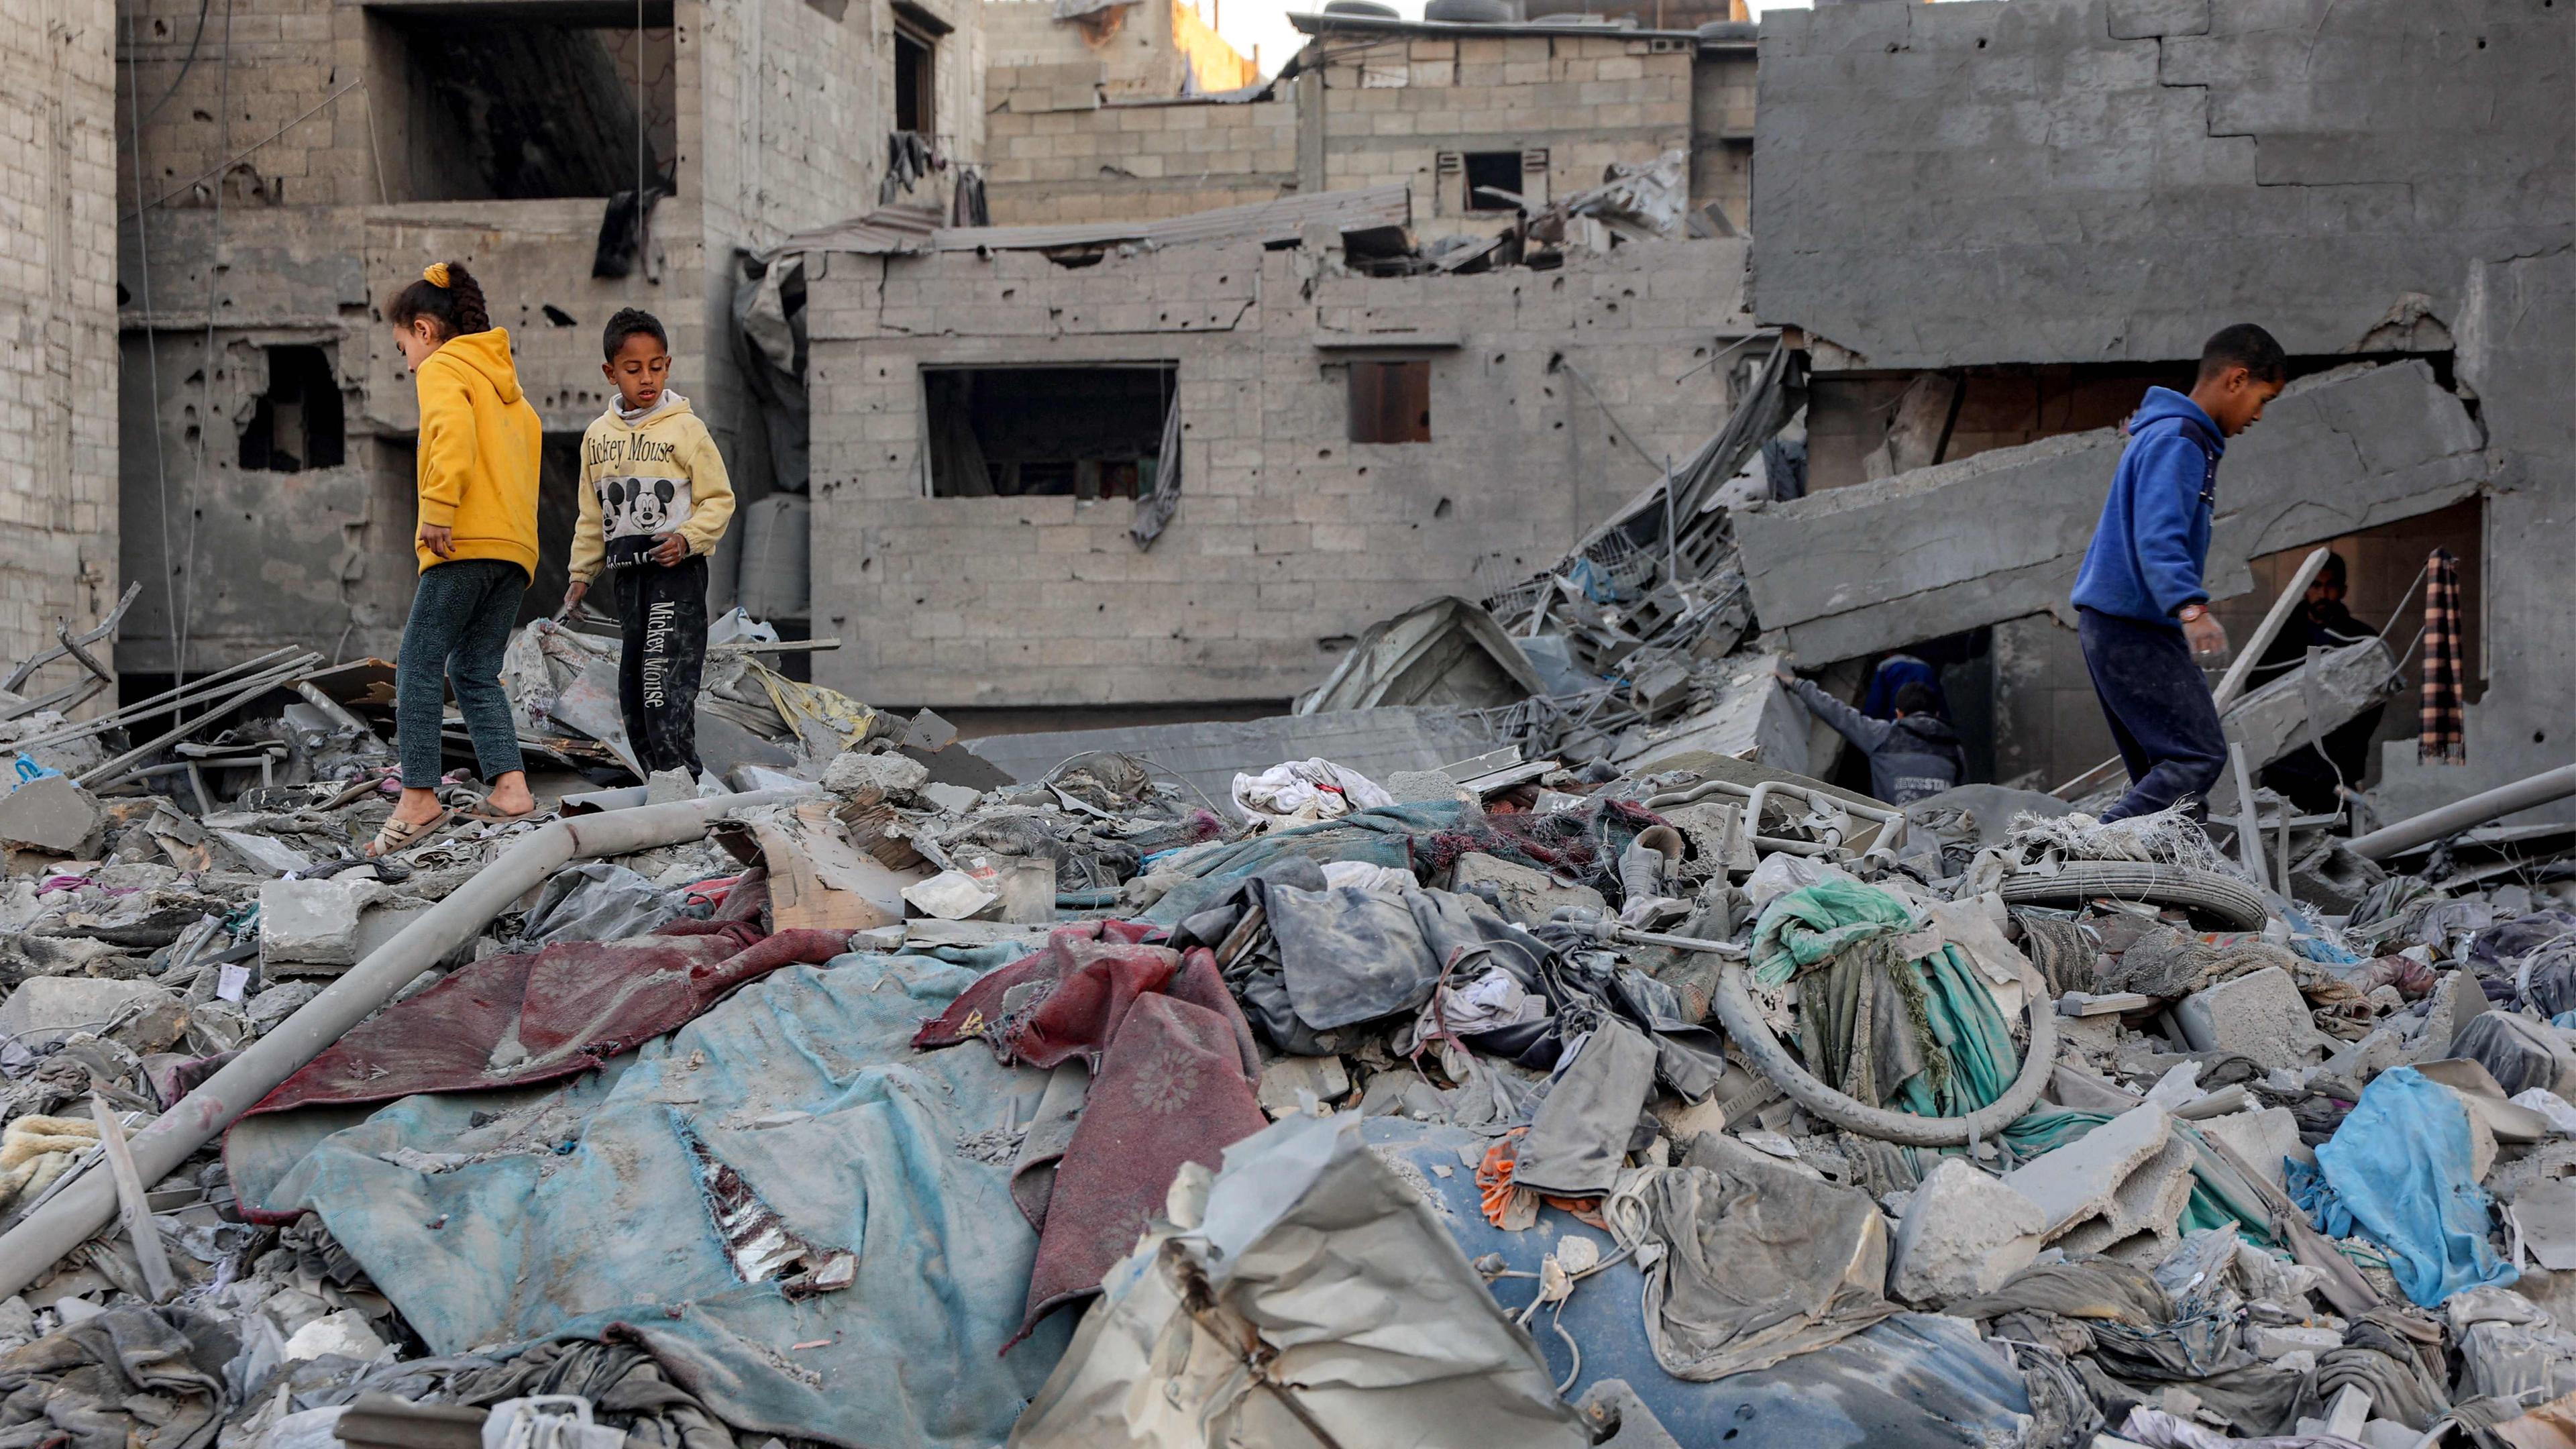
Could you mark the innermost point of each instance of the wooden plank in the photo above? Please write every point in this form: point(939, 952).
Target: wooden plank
point(136, 1208)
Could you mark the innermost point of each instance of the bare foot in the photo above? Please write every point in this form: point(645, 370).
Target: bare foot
point(510, 795)
point(417, 807)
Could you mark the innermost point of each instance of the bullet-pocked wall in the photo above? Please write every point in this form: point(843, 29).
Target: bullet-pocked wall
point(2103, 183)
point(1548, 398)
point(299, 163)
point(57, 311)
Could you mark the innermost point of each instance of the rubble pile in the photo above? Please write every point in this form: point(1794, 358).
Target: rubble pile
point(1513, 1102)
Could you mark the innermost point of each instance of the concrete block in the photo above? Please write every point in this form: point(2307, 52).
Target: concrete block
point(1963, 1234)
point(2262, 1138)
point(2360, 1061)
point(2260, 1015)
point(1527, 895)
point(854, 770)
point(2456, 997)
point(49, 813)
point(50, 1006)
point(1283, 1079)
point(953, 895)
point(312, 922)
point(2077, 1182)
point(2270, 1342)
point(955, 799)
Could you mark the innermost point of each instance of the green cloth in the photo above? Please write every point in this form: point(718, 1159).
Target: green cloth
point(1816, 923)
point(1924, 1034)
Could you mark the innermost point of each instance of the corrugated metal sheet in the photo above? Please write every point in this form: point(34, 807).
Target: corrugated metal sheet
point(903, 229)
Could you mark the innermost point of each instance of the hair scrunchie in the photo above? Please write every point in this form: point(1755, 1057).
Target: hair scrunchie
point(435, 274)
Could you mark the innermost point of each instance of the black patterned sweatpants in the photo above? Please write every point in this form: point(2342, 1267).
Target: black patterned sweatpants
point(664, 614)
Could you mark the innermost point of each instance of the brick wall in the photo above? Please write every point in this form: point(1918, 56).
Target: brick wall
point(1554, 397)
point(57, 308)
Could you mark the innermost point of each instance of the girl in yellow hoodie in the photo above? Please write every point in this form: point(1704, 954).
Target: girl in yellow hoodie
point(477, 471)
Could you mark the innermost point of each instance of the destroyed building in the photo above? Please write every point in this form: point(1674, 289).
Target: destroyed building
point(1989, 227)
point(299, 168)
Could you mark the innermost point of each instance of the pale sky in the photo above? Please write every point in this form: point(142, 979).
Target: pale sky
point(1248, 23)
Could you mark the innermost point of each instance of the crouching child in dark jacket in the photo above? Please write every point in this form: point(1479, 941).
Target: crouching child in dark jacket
point(1911, 756)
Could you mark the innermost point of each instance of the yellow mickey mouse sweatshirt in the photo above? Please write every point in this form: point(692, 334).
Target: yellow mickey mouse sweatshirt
point(479, 447)
point(640, 477)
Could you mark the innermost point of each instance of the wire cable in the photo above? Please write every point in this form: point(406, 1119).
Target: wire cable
point(151, 332)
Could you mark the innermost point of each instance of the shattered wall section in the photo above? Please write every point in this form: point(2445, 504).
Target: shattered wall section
point(2109, 181)
point(1553, 397)
point(57, 319)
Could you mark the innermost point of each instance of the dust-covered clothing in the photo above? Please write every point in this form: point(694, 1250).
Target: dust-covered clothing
point(655, 473)
point(663, 612)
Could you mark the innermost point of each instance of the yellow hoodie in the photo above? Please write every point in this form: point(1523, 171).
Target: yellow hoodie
point(479, 446)
point(655, 474)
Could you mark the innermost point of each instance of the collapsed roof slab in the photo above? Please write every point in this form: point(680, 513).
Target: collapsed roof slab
point(1999, 536)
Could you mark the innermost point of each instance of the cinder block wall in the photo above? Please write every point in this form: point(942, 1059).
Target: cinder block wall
point(1059, 154)
point(57, 315)
point(1555, 396)
point(1391, 109)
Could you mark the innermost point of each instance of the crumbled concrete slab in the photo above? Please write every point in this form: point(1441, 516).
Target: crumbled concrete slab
point(2264, 1139)
point(1283, 1079)
point(1412, 787)
point(2456, 997)
point(57, 1005)
point(2077, 1182)
point(2360, 1061)
point(1963, 1234)
point(1527, 895)
point(854, 770)
point(2147, 1205)
point(2259, 1014)
point(669, 787)
point(265, 855)
point(312, 922)
point(49, 813)
point(344, 1333)
point(955, 799)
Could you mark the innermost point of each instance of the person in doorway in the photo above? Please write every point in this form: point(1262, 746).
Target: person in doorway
point(1911, 756)
point(654, 501)
point(2142, 610)
point(2310, 777)
point(477, 546)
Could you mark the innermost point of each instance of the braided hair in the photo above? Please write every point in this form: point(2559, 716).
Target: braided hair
point(446, 294)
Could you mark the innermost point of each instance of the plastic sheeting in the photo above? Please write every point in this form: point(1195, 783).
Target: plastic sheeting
point(2399, 1170)
point(597, 901)
point(797, 1110)
point(1310, 1254)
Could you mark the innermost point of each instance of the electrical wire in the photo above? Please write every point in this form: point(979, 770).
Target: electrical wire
point(206, 364)
point(151, 331)
point(185, 64)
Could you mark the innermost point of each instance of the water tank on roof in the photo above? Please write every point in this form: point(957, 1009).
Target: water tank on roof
point(1470, 12)
point(1369, 8)
point(1738, 30)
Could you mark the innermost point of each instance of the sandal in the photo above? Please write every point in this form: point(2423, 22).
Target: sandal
point(399, 834)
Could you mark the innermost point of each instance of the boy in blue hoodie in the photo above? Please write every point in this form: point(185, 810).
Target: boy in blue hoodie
point(2141, 610)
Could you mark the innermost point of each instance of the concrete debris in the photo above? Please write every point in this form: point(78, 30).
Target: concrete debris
point(313, 922)
point(49, 813)
point(854, 771)
point(2260, 1015)
point(1963, 1234)
point(2082, 1182)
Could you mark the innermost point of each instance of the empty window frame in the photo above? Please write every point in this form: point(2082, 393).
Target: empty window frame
point(1011, 432)
point(557, 98)
point(1391, 400)
point(297, 423)
point(1489, 172)
point(916, 71)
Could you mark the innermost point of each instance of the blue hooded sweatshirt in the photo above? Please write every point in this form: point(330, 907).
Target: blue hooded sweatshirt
point(2152, 545)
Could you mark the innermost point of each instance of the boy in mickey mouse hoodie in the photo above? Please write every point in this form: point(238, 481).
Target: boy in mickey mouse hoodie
point(654, 501)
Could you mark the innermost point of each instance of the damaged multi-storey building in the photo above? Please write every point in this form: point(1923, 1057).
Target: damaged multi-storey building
point(951, 280)
point(1988, 227)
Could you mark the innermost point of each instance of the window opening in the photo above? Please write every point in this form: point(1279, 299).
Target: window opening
point(298, 423)
point(1009, 432)
point(1391, 401)
point(915, 61)
point(1498, 170)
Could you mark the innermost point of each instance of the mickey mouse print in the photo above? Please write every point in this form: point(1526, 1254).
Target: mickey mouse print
point(634, 511)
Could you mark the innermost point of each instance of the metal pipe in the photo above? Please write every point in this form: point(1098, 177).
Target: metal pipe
point(2432, 825)
point(40, 1240)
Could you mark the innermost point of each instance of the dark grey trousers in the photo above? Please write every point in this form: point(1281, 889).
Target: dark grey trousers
point(460, 622)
